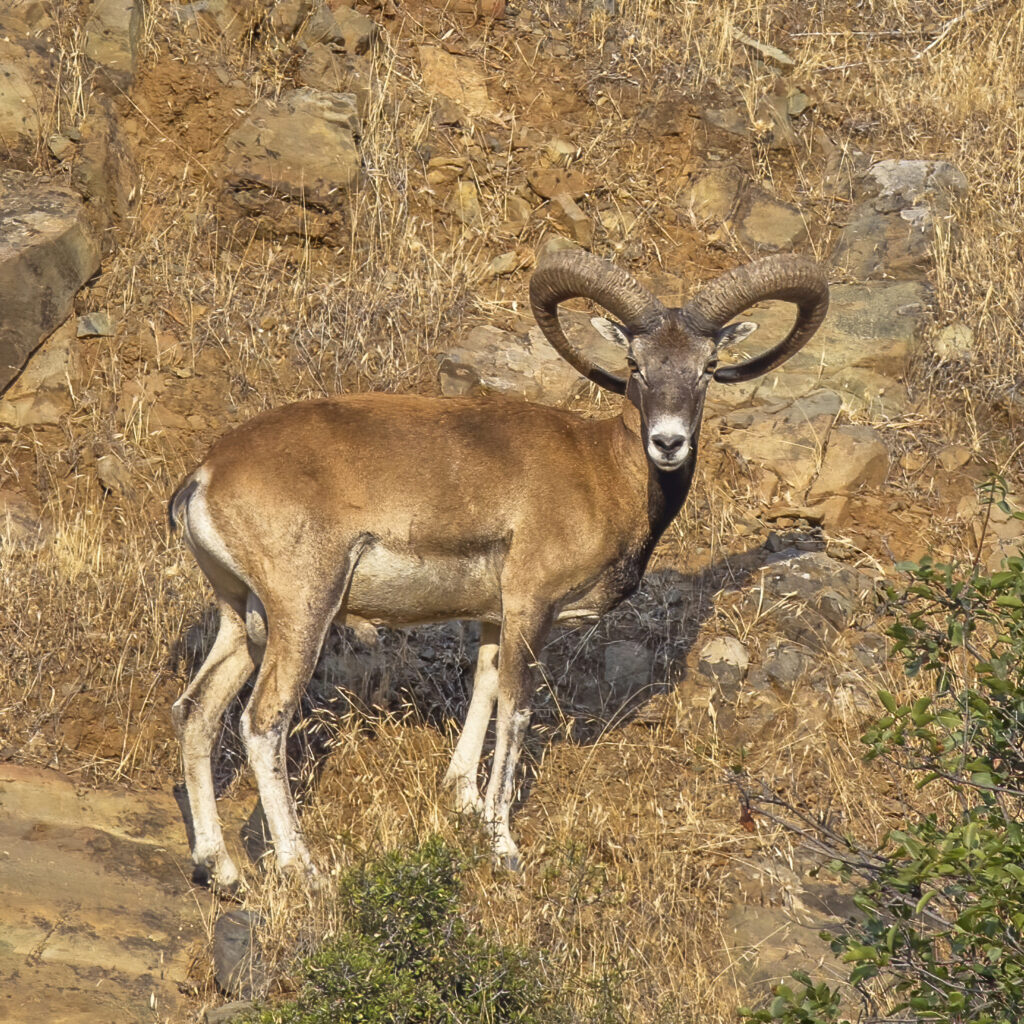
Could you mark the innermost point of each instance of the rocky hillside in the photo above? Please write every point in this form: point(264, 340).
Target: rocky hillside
point(211, 208)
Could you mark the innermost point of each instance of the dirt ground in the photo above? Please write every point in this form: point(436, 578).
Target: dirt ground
point(633, 832)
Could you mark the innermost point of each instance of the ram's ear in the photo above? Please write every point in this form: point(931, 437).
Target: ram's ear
point(615, 333)
point(734, 332)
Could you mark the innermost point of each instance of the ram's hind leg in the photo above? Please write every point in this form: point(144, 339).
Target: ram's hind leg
point(465, 760)
point(197, 718)
point(294, 639)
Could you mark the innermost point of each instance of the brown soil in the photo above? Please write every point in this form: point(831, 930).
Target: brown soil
point(632, 833)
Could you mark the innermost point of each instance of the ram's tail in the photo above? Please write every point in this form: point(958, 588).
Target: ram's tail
point(179, 500)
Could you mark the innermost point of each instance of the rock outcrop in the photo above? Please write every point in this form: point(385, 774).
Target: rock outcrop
point(290, 163)
point(48, 250)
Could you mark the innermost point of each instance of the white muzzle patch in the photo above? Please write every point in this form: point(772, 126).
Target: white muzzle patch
point(668, 442)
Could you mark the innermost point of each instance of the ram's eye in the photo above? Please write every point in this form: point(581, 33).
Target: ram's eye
point(711, 366)
point(635, 370)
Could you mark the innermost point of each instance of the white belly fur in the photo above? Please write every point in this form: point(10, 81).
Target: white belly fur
point(398, 588)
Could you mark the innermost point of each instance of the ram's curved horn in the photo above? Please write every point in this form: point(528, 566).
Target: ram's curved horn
point(790, 278)
point(567, 274)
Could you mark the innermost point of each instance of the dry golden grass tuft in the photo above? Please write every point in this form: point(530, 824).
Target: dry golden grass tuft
point(631, 828)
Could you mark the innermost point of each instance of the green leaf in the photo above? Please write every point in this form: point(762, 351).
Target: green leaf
point(888, 701)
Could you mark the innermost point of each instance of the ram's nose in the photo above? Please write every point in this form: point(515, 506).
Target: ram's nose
point(669, 445)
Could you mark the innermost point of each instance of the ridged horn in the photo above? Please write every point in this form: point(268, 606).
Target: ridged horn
point(790, 278)
point(572, 273)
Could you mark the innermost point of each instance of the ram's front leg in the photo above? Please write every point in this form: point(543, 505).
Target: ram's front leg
point(522, 634)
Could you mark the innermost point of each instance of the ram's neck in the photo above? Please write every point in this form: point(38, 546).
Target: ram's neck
point(664, 492)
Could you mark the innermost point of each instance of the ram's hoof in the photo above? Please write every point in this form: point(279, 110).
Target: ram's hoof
point(305, 875)
point(204, 875)
point(510, 862)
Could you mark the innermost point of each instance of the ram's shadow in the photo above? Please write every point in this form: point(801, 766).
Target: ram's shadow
point(592, 678)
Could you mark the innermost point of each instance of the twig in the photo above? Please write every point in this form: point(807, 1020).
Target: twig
point(871, 33)
point(953, 22)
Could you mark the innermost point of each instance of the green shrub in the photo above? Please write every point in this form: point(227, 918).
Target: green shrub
point(407, 957)
point(941, 931)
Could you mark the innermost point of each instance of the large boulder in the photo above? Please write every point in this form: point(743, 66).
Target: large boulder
point(723, 200)
point(873, 326)
point(113, 33)
point(103, 170)
point(457, 78)
point(20, 114)
point(891, 232)
point(48, 250)
point(492, 361)
point(290, 163)
point(786, 441)
point(856, 458)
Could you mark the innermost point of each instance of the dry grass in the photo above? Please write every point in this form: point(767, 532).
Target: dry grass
point(632, 830)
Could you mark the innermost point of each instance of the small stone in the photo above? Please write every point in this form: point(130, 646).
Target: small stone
point(770, 444)
point(43, 409)
point(48, 252)
point(457, 78)
point(96, 325)
point(871, 650)
point(797, 102)
point(444, 169)
point(728, 120)
point(103, 170)
point(55, 365)
point(323, 69)
point(287, 16)
point(554, 243)
point(955, 343)
point(228, 1012)
point(487, 9)
point(113, 33)
point(773, 124)
point(490, 360)
point(910, 181)
point(835, 607)
point(60, 146)
point(785, 663)
point(627, 665)
point(954, 457)
point(519, 212)
point(21, 519)
point(568, 215)
point(290, 163)
point(500, 266)
point(890, 232)
point(913, 462)
point(834, 511)
point(549, 182)
point(344, 28)
point(113, 474)
point(617, 222)
point(236, 959)
point(715, 194)
point(465, 204)
point(772, 225)
point(725, 660)
point(561, 151)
